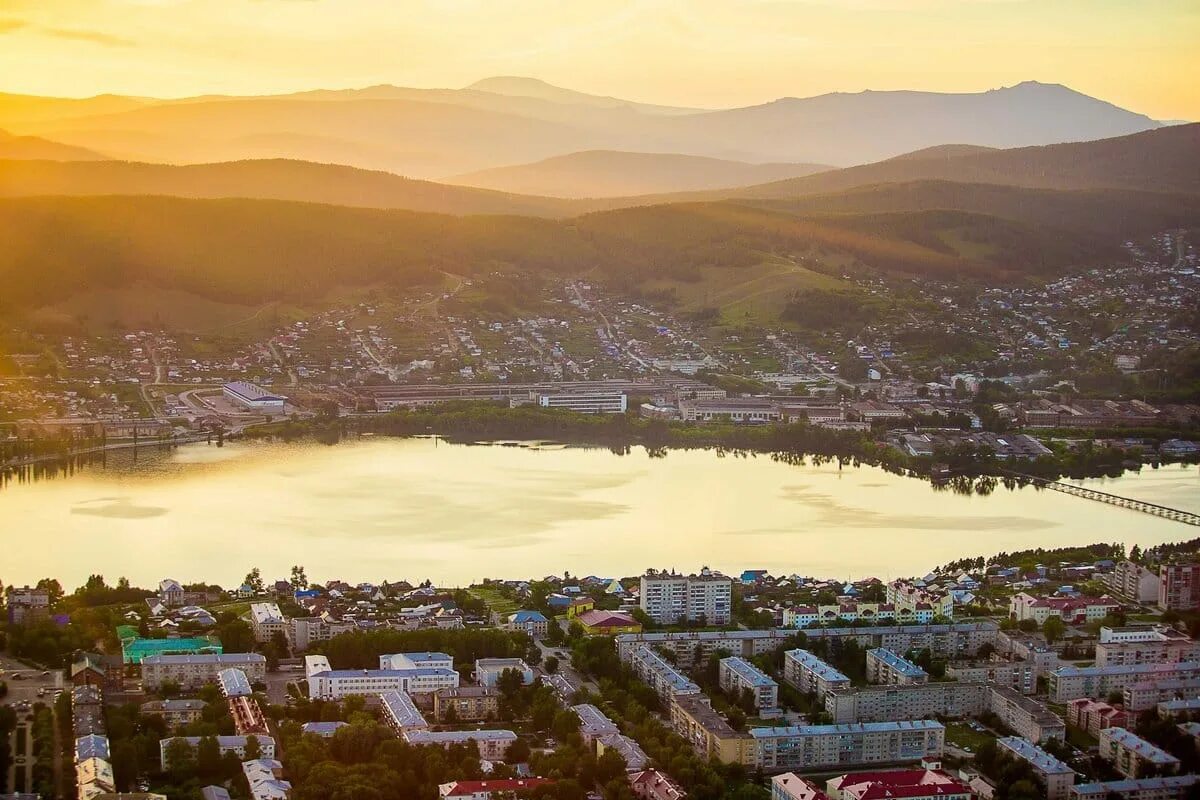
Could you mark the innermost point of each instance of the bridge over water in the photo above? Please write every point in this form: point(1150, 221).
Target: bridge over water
point(1166, 512)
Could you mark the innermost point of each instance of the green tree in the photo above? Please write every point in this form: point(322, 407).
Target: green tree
point(551, 665)
point(518, 752)
point(253, 748)
point(1053, 629)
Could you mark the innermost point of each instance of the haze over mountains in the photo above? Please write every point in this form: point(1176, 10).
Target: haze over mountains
point(439, 133)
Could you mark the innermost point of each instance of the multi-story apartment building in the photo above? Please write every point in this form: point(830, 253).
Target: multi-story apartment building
point(1094, 716)
point(948, 699)
point(1132, 756)
point(907, 594)
point(337, 684)
point(1023, 646)
point(808, 673)
point(194, 671)
point(1025, 716)
point(466, 703)
point(304, 632)
point(1144, 695)
point(1179, 587)
point(1134, 581)
point(593, 723)
point(952, 641)
point(668, 597)
point(1067, 683)
point(1018, 675)
point(532, 623)
point(910, 784)
point(401, 713)
point(790, 786)
point(1072, 610)
point(266, 620)
point(841, 613)
point(660, 675)
point(708, 733)
point(27, 604)
point(736, 675)
point(1171, 787)
point(1144, 645)
point(228, 744)
point(175, 711)
point(492, 744)
point(1055, 776)
point(885, 667)
point(824, 747)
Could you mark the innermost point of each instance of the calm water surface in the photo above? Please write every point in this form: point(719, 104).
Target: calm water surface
point(417, 508)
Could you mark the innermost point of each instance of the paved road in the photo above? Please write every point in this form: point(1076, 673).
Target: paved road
point(24, 690)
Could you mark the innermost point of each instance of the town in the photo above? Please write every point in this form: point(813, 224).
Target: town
point(1071, 674)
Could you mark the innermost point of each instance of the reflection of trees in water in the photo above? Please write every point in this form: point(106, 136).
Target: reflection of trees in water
point(63, 467)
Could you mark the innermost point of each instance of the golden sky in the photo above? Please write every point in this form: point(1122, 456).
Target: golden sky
point(1139, 54)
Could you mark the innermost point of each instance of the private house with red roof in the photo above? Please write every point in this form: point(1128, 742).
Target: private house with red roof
point(904, 784)
point(608, 622)
point(484, 790)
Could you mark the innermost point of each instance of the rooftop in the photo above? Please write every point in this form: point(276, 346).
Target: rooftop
point(851, 728)
point(898, 663)
point(825, 671)
point(1144, 750)
point(1038, 758)
point(747, 671)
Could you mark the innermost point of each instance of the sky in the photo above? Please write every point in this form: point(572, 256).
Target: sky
point(1139, 54)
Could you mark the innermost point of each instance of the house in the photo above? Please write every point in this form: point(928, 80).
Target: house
point(608, 622)
point(533, 623)
point(170, 592)
point(579, 605)
point(650, 784)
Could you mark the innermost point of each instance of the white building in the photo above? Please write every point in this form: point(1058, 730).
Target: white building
point(253, 398)
point(668, 597)
point(489, 670)
point(266, 620)
point(424, 660)
point(340, 683)
point(1144, 645)
point(584, 402)
point(808, 673)
point(228, 744)
point(1056, 776)
point(492, 744)
point(401, 712)
point(194, 671)
point(265, 779)
point(736, 675)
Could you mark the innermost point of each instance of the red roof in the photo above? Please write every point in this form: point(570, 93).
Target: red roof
point(503, 785)
point(901, 784)
point(605, 619)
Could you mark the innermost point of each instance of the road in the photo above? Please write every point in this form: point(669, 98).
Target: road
point(22, 691)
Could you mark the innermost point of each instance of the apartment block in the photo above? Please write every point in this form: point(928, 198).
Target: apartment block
point(885, 667)
point(194, 671)
point(228, 744)
point(949, 699)
point(808, 673)
point(907, 594)
point(910, 784)
point(660, 675)
point(1020, 676)
point(1072, 610)
point(466, 703)
point(1134, 581)
point(1179, 587)
point(1025, 715)
point(668, 597)
point(708, 733)
point(1144, 645)
point(401, 713)
point(492, 744)
point(1067, 683)
point(1055, 776)
point(304, 632)
point(818, 747)
point(1094, 716)
point(1134, 757)
point(1023, 646)
point(1145, 695)
point(593, 723)
point(266, 620)
point(736, 675)
point(1171, 787)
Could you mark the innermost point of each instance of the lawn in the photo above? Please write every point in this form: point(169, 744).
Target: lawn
point(962, 735)
point(496, 602)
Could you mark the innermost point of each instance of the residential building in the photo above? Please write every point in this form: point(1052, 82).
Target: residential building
point(660, 675)
point(212, 793)
point(325, 730)
point(908, 594)
point(1178, 708)
point(596, 622)
point(492, 744)
point(1067, 683)
point(1133, 581)
point(668, 597)
point(1179, 587)
point(884, 666)
point(424, 660)
point(466, 703)
point(736, 675)
point(228, 744)
point(1134, 757)
point(1094, 716)
point(253, 398)
point(489, 670)
point(1145, 695)
point(194, 671)
point(264, 776)
point(790, 786)
point(234, 683)
point(170, 593)
point(630, 751)
point(340, 683)
point(820, 747)
point(1054, 775)
point(401, 713)
point(1018, 675)
point(533, 623)
point(174, 712)
point(266, 620)
point(844, 613)
point(593, 723)
point(910, 784)
point(27, 604)
point(1025, 716)
point(708, 733)
point(808, 673)
point(1171, 787)
point(1072, 610)
point(304, 632)
point(1026, 647)
point(487, 790)
point(650, 784)
point(949, 699)
point(1144, 645)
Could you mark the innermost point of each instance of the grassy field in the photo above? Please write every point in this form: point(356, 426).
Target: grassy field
point(962, 735)
point(496, 603)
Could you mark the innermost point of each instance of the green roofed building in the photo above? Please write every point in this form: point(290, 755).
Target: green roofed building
point(134, 650)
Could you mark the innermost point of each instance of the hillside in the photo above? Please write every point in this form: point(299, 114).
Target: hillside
point(269, 180)
point(255, 251)
point(437, 132)
point(607, 173)
point(1162, 160)
point(34, 147)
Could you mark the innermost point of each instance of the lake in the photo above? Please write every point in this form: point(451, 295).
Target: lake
point(387, 508)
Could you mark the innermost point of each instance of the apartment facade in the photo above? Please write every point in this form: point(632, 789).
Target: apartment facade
point(228, 744)
point(194, 671)
point(1171, 787)
point(401, 713)
point(1134, 581)
point(1094, 716)
point(708, 733)
point(886, 667)
point(808, 673)
point(736, 675)
point(1026, 716)
point(949, 699)
point(1018, 675)
point(266, 620)
point(466, 703)
point(1134, 757)
point(668, 597)
point(816, 747)
point(1179, 587)
point(1068, 683)
point(661, 676)
point(1055, 776)
point(1144, 645)
point(492, 744)
point(1072, 610)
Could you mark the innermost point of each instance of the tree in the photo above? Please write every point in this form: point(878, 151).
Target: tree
point(551, 665)
point(253, 748)
point(254, 580)
point(52, 588)
point(1053, 629)
point(299, 579)
point(208, 758)
point(517, 752)
point(236, 636)
point(181, 757)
